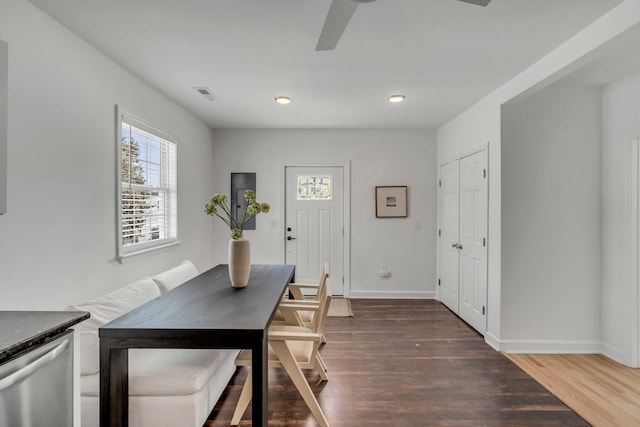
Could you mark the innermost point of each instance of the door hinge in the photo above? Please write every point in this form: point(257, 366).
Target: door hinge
point(438, 282)
point(439, 183)
point(483, 310)
point(484, 172)
point(439, 232)
point(484, 241)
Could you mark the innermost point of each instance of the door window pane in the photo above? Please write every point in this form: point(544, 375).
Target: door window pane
point(315, 187)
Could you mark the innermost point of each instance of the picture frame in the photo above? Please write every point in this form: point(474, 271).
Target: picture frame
point(391, 201)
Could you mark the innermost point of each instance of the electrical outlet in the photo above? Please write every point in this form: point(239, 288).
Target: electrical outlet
point(384, 272)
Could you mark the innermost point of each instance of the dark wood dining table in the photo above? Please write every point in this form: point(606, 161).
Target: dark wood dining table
point(205, 312)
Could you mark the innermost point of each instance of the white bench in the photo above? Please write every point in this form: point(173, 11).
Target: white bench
point(167, 387)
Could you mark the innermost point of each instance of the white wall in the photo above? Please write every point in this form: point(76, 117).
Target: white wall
point(58, 238)
point(377, 157)
point(621, 109)
point(551, 221)
point(3, 124)
point(481, 124)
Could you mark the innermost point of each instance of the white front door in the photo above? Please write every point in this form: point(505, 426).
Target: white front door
point(314, 223)
point(473, 240)
point(449, 229)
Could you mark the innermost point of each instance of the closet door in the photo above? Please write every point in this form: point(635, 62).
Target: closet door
point(463, 238)
point(449, 229)
point(473, 242)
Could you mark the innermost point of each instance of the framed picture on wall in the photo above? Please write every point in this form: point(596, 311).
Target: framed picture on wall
point(391, 201)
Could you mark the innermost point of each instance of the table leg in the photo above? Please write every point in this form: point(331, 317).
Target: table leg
point(114, 385)
point(259, 362)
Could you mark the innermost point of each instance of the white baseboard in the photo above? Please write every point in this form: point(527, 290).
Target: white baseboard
point(492, 341)
point(560, 347)
point(549, 347)
point(615, 354)
point(392, 295)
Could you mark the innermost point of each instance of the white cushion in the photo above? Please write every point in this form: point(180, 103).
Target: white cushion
point(176, 276)
point(104, 310)
point(165, 411)
point(166, 372)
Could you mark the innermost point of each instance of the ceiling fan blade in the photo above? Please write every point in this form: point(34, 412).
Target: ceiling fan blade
point(340, 12)
point(477, 2)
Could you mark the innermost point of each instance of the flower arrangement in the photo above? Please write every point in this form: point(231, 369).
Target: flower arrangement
point(253, 208)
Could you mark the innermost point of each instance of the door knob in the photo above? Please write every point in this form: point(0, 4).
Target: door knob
point(291, 238)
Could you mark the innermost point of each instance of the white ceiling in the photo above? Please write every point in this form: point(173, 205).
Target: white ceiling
point(444, 55)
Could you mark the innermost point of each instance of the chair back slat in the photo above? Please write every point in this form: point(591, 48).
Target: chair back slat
point(325, 301)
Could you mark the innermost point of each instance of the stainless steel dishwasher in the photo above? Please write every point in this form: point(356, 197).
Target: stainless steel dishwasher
point(36, 386)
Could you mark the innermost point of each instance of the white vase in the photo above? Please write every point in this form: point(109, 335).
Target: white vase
point(239, 262)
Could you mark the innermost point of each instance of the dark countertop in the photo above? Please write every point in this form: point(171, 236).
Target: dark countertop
point(20, 330)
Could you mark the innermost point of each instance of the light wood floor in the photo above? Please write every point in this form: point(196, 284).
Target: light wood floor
point(600, 390)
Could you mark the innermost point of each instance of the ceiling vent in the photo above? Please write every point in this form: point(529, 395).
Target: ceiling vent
point(206, 93)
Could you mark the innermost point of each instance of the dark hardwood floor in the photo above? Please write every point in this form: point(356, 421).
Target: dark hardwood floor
point(407, 363)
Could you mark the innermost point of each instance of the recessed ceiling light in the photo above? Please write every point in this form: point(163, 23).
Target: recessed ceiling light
point(396, 98)
point(283, 99)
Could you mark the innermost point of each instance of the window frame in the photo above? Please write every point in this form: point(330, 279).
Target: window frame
point(171, 208)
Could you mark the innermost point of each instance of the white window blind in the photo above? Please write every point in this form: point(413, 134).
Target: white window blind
point(147, 193)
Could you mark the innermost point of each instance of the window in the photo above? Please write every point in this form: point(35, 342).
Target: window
point(314, 187)
point(147, 191)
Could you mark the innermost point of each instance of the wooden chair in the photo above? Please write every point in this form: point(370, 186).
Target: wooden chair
point(293, 348)
point(297, 297)
point(296, 288)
